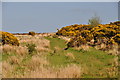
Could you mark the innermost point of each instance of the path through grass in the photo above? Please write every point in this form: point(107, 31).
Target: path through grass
point(94, 62)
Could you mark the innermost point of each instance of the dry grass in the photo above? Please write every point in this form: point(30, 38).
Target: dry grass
point(114, 50)
point(38, 40)
point(13, 60)
point(113, 71)
point(7, 69)
point(19, 50)
point(83, 47)
point(70, 71)
point(42, 49)
point(56, 50)
point(37, 66)
point(11, 64)
point(42, 44)
point(70, 55)
point(0, 69)
point(65, 38)
point(36, 61)
point(102, 46)
point(111, 49)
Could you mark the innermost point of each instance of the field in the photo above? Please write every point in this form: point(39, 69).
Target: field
point(45, 57)
point(60, 40)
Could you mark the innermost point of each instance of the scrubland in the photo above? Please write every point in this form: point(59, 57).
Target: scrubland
point(50, 60)
point(75, 51)
point(17, 62)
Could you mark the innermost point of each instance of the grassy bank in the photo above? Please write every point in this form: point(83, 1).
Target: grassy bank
point(50, 60)
point(95, 63)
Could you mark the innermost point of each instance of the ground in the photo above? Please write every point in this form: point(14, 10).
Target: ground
point(49, 59)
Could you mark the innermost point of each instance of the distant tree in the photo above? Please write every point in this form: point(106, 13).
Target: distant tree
point(94, 21)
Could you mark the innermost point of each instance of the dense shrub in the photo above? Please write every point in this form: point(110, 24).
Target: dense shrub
point(73, 30)
point(8, 38)
point(76, 41)
point(32, 33)
point(116, 38)
point(109, 34)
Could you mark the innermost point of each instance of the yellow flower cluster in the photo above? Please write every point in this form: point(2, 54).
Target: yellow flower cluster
point(85, 33)
point(8, 38)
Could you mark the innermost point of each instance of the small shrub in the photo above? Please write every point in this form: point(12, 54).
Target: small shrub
point(32, 33)
point(31, 48)
point(8, 38)
point(94, 21)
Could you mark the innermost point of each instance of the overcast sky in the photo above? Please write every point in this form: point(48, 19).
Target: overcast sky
point(48, 16)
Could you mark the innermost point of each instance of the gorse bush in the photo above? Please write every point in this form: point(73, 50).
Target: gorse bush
point(109, 34)
point(73, 30)
point(76, 41)
point(116, 38)
point(8, 38)
point(32, 33)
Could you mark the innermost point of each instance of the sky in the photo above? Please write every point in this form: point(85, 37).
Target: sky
point(50, 16)
point(0, 16)
point(119, 10)
point(60, 0)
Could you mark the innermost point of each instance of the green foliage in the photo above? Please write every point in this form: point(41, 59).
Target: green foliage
point(99, 59)
point(8, 38)
point(31, 48)
point(32, 33)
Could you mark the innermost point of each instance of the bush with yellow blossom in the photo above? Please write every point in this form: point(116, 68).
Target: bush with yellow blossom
point(83, 34)
point(8, 38)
